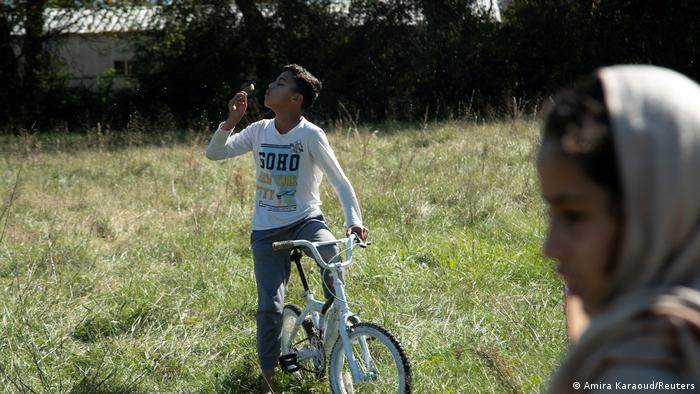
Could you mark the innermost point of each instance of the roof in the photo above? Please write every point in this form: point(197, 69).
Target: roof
point(101, 20)
point(489, 7)
point(133, 19)
point(98, 20)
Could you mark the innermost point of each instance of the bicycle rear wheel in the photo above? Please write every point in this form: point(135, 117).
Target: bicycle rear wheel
point(306, 337)
point(379, 355)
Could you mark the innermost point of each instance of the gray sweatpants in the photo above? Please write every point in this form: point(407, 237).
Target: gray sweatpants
point(272, 270)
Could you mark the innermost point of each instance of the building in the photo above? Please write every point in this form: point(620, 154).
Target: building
point(94, 43)
point(91, 44)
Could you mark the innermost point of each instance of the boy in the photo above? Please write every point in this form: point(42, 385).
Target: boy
point(291, 155)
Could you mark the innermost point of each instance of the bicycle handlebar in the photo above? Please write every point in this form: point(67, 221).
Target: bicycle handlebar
point(281, 245)
point(313, 247)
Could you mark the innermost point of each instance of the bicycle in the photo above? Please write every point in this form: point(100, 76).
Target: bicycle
point(365, 357)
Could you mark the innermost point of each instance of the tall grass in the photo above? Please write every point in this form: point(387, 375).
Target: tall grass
point(125, 264)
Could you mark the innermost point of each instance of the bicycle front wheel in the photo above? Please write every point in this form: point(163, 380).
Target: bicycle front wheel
point(380, 358)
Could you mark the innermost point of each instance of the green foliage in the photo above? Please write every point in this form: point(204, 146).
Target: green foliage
point(35, 90)
point(412, 59)
point(125, 264)
point(403, 60)
point(197, 59)
point(552, 42)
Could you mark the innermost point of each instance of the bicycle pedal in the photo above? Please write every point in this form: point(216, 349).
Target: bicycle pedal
point(289, 363)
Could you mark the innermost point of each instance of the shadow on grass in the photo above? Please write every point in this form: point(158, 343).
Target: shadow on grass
point(245, 378)
point(92, 389)
point(130, 319)
point(95, 384)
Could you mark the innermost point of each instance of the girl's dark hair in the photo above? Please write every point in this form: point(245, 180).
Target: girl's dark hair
point(579, 124)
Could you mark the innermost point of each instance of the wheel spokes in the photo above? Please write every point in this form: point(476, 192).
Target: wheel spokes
point(376, 363)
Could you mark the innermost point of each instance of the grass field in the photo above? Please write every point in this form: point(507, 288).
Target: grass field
point(125, 263)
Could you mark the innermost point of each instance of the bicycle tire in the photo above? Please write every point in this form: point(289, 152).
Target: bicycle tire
point(390, 363)
point(306, 336)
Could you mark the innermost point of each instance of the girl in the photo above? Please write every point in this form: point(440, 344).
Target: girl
point(619, 168)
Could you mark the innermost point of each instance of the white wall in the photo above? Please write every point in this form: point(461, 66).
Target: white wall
point(86, 57)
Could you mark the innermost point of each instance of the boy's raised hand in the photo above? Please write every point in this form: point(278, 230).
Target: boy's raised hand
point(361, 231)
point(236, 108)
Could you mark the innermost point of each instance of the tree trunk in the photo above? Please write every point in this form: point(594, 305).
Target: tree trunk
point(259, 32)
point(8, 66)
point(34, 58)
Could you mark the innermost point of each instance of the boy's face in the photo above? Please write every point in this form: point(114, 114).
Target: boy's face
point(282, 93)
point(583, 232)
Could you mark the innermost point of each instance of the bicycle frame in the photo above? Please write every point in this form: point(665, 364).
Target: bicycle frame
point(315, 307)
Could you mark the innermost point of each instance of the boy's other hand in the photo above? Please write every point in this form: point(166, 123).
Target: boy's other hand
point(361, 231)
point(236, 108)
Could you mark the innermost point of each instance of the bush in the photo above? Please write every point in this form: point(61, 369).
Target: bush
point(403, 60)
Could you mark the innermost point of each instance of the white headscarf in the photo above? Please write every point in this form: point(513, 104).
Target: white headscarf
point(655, 122)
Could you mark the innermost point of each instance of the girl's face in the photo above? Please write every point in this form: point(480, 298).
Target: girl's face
point(583, 230)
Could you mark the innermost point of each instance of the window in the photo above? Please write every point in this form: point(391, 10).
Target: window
point(121, 67)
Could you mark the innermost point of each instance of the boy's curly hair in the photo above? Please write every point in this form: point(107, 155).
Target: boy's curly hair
point(308, 85)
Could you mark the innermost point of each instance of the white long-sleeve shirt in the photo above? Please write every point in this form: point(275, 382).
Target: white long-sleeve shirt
point(289, 170)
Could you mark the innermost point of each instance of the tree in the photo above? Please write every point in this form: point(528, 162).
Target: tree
point(23, 59)
point(196, 61)
point(26, 63)
point(8, 62)
point(258, 36)
point(35, 59)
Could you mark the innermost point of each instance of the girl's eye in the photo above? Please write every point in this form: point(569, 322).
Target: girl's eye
point(567, 216)
point(572, 216)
